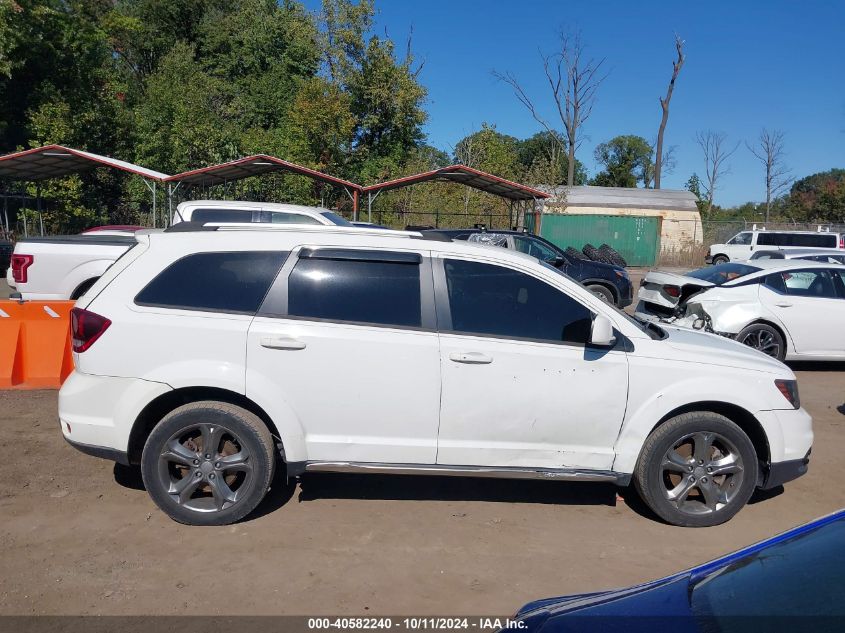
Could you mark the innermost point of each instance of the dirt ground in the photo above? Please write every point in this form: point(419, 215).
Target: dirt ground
point(80, 536)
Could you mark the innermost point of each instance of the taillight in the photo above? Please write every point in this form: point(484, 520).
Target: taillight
point(672, 291)
point(789, 390)
point(20, 264)
point(842, 242)
point(86, 327)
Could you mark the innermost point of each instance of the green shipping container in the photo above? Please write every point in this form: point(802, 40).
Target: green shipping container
point(636, 238)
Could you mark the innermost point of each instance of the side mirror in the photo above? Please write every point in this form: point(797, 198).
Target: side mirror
point(558, 261)
point(601, 333)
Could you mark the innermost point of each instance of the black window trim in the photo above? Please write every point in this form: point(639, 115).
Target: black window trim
point(285, 256)
point(444, 312)
point(275, 304)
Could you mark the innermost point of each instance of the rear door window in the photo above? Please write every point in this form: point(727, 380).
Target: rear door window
point(491, 300)
point(810, 283)
point(357, 287)
point(217, 282)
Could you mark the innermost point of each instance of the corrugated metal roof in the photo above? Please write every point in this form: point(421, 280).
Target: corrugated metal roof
point(56, 161)
point(623, 197)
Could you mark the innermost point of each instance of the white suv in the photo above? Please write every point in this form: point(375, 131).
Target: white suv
point(212, 357)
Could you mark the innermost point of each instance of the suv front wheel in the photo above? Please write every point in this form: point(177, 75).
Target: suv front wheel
point(696, 470)
point(208, 463)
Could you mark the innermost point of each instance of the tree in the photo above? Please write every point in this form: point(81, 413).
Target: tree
point(664, 106)
point(626, 161)
point(694, 185)
point(544, 160)
point(488, 150)
point(769, 151)
point(573, 81)
point(713, 146)
point(819, 197)
point(668, 166)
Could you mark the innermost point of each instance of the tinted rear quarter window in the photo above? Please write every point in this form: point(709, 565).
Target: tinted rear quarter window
point(358, 291)
point(220, 282)
point(239, 216)
point(497, 301)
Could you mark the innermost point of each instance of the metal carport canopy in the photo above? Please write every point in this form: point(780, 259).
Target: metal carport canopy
point(466, 176)
point(256, 165)
point(56, 161)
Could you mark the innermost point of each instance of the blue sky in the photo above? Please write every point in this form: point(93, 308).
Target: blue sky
point(750, 64)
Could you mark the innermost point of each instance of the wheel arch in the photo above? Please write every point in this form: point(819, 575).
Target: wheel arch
point(162, 405)
point(787, 341)
point(84, 286)
point(743, 418)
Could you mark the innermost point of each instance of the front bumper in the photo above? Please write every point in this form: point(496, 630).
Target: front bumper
point(626, 297)
point(708, 259)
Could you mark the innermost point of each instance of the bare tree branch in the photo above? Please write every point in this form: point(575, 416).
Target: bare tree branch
point(573, 83)
point(769, 151)
point(715, 156)
point(664, 105)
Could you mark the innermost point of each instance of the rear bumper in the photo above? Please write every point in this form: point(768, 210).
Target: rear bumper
point(97, 413)
point(782, 472)
point(111, 454)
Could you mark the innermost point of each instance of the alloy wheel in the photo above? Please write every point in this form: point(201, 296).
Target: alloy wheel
point(205, 468)
point(702, 473)
point(763, 341)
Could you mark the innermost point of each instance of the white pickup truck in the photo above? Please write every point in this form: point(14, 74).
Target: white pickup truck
point(65, 266)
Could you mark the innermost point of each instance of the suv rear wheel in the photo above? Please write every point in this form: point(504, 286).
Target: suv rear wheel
point(208, 463)
point(696, 470)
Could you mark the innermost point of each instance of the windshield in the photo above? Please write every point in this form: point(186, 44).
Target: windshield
point(722, 273)
point(801, 576)
point(334, 218)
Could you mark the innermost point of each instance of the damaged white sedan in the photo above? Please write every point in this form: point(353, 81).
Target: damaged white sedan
point(788, 309)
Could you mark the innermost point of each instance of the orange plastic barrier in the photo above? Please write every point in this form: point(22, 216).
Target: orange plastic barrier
point(35, 346)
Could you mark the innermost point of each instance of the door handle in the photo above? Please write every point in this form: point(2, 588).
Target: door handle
point(783, 304)
point(282, 342)
point(470, 358)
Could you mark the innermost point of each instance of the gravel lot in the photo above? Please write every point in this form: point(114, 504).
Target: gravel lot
point(80, 536)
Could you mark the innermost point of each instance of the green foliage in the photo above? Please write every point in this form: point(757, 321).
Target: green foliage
point(627, 160)
point(819, 197)
point(544, 159)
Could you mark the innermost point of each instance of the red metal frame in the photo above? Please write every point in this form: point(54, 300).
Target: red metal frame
point(287, 166)
point(436, 173)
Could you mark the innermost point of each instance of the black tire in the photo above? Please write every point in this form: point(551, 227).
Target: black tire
point(657, 477)
point(245, 481)
point(591, 252)
point(83, 288)
point(602, 293)
point(613, 255)
point(720, 259)
point(764, 338)
point(574, 253)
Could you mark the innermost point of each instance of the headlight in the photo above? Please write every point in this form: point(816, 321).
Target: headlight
point(789, 389)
